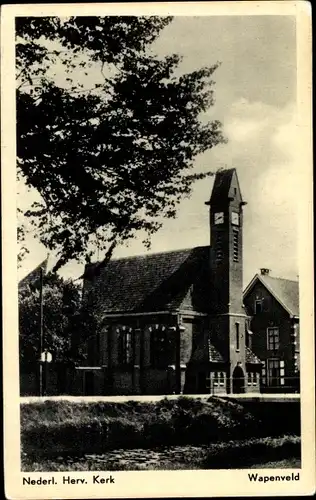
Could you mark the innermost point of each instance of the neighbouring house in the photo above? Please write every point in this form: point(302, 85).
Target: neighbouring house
point(273, 305)
point(173, 322)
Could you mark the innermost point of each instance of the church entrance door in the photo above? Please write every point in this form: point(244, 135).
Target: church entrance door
point(238, 380)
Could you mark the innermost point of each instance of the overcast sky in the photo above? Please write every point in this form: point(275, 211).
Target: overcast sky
point(256, 101)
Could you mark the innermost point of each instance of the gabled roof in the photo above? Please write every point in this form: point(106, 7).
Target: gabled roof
point(148, 282)
point(285, 291)
point(32, 277)
point(206, 352)
point(222, 186)
point(251, 358)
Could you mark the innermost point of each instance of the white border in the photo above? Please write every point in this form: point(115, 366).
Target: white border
point(198, 483)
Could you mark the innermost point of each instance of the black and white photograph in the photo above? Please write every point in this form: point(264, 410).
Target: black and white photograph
point(158, 209)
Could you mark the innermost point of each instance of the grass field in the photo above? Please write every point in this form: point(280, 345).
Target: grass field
point(218, 433)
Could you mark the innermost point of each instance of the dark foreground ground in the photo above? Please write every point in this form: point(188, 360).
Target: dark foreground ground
point(166, 435)
point(283, 452)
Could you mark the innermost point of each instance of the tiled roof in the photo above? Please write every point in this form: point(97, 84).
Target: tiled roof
point(251, 357)
point(148, 282)
point(32, 277)
point(214, 354)
point(206, 352)
point(285, 291)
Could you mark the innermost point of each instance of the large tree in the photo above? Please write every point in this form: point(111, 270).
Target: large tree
point(62, 320)
point(112, 158)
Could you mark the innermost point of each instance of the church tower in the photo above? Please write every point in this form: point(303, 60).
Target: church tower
point(228, 323)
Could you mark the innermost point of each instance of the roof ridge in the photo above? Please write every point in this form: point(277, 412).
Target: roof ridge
point(279, 278)
point(144, 256)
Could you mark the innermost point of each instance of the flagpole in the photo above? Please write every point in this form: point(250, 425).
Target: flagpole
point(41, 332)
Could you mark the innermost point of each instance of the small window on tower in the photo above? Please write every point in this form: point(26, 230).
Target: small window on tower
point(235, 246)
point(237, 337)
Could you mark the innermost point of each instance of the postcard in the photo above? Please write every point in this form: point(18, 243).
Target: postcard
point(158, 312)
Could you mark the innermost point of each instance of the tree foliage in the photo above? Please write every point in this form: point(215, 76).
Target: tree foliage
point(61, 319)
point(112, 158)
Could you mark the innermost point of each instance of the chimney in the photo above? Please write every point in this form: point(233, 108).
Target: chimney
point(264, 271)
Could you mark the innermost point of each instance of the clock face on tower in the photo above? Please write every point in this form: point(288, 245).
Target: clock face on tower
point(235, 218)
point(219, 218)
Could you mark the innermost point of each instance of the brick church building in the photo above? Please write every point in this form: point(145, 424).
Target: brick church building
point(174, 322)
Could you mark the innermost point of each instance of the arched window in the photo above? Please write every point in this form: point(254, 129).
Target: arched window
point(125, 345)
point(160, 346)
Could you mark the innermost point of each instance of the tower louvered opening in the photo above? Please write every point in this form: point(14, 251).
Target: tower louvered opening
point(235, 246)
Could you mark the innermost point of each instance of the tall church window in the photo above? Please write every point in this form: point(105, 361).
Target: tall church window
point(125, 345)
point(235, 245)
point(273, 338)
point(237, 336)
point(161, 345)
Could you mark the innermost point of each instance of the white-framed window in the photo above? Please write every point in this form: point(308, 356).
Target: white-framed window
point(222, 379)
point(264, 374)
point(215, 379)
point(275, 372)
point(252, 378)
point(255, 378)
point(273, 338)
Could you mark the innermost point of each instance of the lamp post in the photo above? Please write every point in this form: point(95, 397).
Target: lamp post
point(41, 334)
point(45, 356)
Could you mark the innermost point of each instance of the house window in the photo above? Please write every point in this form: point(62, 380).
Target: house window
point(235, 246)
point(273, 338)
point(208, 383)
point(125, 347)
point(258, 306)
point(237, 336)
point(161, 345)
point(255, 378)
point(274, 373)
point(264, 374)
point(221, 379)
point(216, 379)
point(252, 378)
